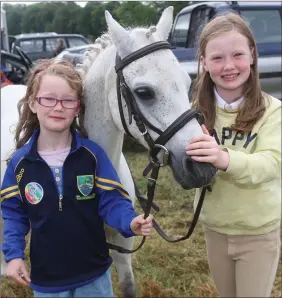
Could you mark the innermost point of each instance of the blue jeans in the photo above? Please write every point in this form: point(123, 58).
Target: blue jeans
point(101, 287)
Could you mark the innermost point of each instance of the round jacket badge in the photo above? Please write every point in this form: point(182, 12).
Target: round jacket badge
point(33, 192)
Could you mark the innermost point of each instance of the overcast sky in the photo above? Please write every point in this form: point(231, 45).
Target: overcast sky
point(81, 3)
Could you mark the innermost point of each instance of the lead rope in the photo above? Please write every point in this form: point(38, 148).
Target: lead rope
point(151, 185)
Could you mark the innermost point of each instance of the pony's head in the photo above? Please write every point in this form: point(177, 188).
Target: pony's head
point(154, 92)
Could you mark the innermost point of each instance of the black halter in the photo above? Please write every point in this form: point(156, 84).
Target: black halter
point(155, 146)
point(133, 109)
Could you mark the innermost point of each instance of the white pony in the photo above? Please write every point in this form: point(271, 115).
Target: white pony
point(160, 88)
point(10, 95)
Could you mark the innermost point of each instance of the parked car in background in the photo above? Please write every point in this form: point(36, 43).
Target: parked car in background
point(4, 32)
point(74, 54)
point(43, 45)
point(264, 19)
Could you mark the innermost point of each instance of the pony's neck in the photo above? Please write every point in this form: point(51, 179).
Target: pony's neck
point(99, 122)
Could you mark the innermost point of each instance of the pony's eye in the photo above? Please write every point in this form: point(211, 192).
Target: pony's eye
point(145, 93)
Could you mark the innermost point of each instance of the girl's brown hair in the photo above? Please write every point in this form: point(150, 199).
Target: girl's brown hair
point(28, 121)
point(203, 97)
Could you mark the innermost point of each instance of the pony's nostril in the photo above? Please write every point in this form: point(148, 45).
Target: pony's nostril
point(197, 174)
point(188, 164)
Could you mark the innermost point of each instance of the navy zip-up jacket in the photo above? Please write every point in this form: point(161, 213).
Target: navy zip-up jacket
point(68, 243)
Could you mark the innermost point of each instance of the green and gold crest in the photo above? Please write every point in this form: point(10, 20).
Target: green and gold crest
point(85, 184)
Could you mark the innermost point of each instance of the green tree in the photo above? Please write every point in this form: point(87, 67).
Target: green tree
point(99, 25)
point(177, 6)
point(135, 13)
point(65, 19)
point(14, 15)
point(85, 21)
point(68, 17)
point(48, 10)
point(31, 19)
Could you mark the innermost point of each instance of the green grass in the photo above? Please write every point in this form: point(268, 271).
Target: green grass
point(163, 269)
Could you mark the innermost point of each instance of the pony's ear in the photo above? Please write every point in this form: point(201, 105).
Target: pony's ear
point(165, 23)
point(119, 35)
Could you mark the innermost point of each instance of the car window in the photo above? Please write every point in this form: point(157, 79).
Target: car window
point(6, 67)
point(52, 44)
point(265, 25)
point(76, 42)
point(200, 18)
point(31, 45)
point(180, 32)
point(2, 40)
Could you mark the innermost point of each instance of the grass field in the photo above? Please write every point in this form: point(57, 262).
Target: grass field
point(163, 269)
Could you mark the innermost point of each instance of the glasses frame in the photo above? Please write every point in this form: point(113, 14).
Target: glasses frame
point(39, 98)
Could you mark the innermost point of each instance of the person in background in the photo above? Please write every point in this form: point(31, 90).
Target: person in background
point(60, 47)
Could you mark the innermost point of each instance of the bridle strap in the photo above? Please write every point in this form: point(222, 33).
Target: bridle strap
point(169, 133)
point(164, 137)
point(159, 45)
point(162, 233)
point(132, 106)
point(121, 109)
point(179, 123)
point(146, 206)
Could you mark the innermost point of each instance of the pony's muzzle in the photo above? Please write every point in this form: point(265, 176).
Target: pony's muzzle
point(197, 174)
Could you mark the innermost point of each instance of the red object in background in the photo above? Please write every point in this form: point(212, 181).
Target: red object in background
point(4, 80)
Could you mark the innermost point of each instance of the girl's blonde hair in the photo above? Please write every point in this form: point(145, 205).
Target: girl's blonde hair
point(203, 97)
point(28, 121)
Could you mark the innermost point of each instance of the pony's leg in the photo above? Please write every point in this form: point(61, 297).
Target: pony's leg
point(122, 263)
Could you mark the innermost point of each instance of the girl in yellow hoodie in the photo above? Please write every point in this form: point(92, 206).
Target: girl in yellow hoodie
point(242, 138)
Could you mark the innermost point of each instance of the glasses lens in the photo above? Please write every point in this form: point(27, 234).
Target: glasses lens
point(69, 103)
point(48, 101)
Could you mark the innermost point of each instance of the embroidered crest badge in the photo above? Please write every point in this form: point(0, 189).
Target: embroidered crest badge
point(85, 184)
point(34, 192)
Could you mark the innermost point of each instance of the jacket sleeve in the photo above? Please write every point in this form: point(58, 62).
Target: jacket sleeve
point(115, 206)
point(264, 164)
point(16, 221)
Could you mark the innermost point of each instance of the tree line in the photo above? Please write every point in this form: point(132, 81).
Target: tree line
point(69, 17)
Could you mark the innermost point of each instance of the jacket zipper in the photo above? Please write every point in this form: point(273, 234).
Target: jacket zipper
point(60, 203)
point(61, 195)
point(58, 191)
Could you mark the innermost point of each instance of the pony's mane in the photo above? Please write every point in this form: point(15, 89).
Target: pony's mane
point(99, 45)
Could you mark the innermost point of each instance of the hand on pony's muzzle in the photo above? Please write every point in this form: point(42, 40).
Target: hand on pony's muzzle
point(197, 174)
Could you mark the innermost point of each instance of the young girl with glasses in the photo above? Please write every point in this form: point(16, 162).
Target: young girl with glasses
point(63, 187)
point(242, 138)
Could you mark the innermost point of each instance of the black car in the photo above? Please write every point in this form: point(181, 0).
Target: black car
point(15, 66)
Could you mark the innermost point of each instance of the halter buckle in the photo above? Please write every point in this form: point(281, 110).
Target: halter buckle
point(164, 156)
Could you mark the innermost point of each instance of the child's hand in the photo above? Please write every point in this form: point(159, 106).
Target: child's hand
point(141, 226)
point(17, 270)
point(205, 149)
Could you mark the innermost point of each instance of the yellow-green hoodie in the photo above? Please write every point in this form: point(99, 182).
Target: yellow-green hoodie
point(246, 198)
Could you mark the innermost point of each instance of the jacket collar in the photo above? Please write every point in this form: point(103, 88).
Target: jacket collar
point(31, 146)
